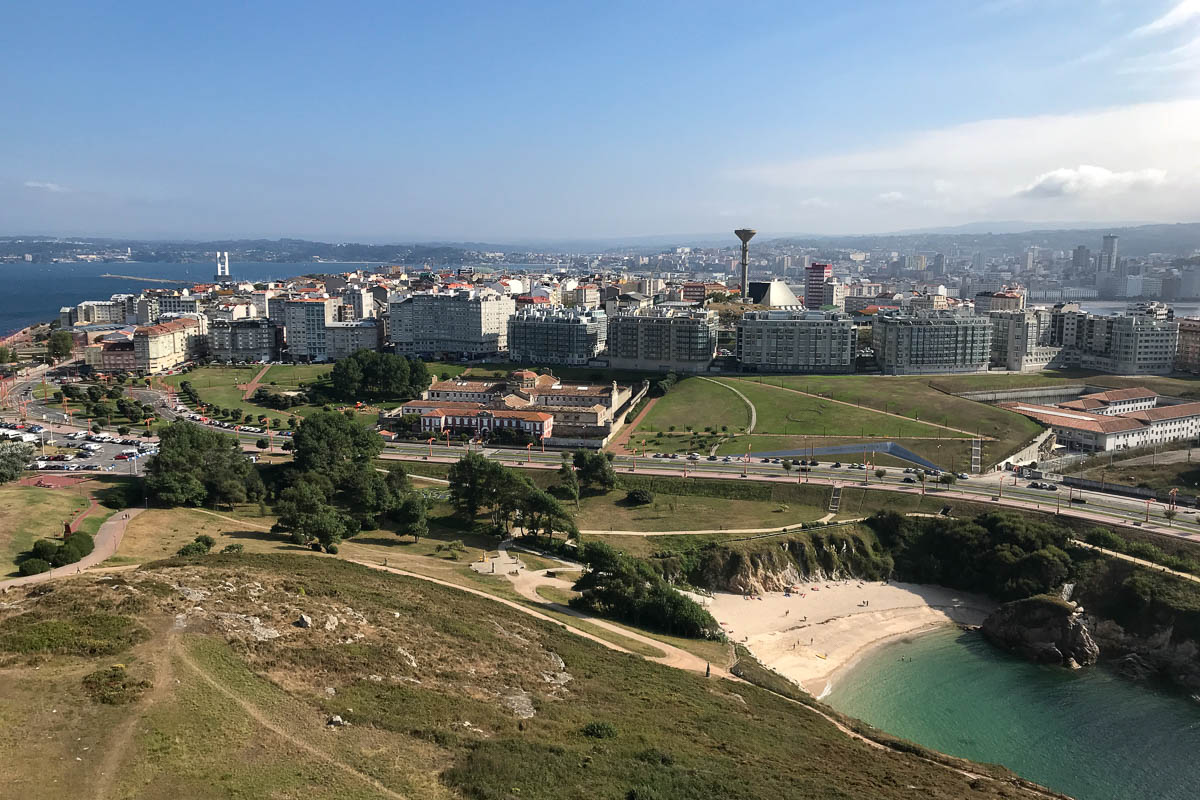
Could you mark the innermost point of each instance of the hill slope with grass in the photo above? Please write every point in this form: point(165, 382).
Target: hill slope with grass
point(221, 676)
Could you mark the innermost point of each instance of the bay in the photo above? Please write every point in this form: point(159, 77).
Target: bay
point(31, 293)
point(1087, 733)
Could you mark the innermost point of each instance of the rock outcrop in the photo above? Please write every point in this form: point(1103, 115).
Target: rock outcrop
point(1045, 629)
point(1158, 653)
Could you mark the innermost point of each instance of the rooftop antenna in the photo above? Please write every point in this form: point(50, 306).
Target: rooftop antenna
point(745, 234)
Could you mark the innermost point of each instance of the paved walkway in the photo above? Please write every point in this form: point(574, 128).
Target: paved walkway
point(108, 539)
point(746, 400)
point(1187, 576)
point(623, 437)
point(253, 384)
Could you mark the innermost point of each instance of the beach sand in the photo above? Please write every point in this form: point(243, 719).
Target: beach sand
point(824, 628)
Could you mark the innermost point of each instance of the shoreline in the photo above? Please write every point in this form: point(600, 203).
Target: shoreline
point(815, 635)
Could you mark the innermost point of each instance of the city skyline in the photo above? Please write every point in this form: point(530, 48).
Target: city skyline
point(465, 124)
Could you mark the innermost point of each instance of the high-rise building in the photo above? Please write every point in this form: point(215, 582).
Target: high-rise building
point(931, 342)
point(471, 323)
point(345, 338)
point(1142, 341)
point(662, 339)
point(1081, 259)
point(796, 341)
point(815, 276)
point(222, 267)
point(164, 346)
point(254, 340)
point(1187, 357)
point(556, 335)
point(939, 264)
point(1107, 261)
point(1022, 340)
point(304, 321)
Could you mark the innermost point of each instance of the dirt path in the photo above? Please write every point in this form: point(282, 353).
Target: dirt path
point(108, 538)
point(258, 525)
point(119, 739)
point(623, 437)
point(795, 526)
point(253, 384)
point(746, 400)
point(972, 434)
point(258, 716)
point(1187, 576)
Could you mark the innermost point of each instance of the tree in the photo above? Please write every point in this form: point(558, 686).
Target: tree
point(13, 458)
point(197, 466)
point(262, 444)
point(1170, 515)
point(330, 443)
point(947, 479)
point(640, 497)
point(412, 517)
point(304, 510)
point(59, 345)
point(542, 512)
point(469, 478)
point(595, 469)
point(6, 354)
point(568, 483)
point(881, 473)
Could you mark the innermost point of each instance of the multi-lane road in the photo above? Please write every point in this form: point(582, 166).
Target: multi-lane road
point(1000, 489)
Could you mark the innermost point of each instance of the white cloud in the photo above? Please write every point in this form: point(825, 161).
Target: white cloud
point(1089, 180)
point(816, 202)
point(1002, 169)
point(46, 186)
point(1180, 14)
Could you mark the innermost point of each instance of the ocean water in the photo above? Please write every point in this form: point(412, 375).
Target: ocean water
point(1087, 733)
point(32, 293)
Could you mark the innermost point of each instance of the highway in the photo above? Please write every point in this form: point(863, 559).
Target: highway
point(1000, 489)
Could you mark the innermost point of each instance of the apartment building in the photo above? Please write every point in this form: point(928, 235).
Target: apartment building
point(244, 340)
point(583, 296)
point(1142, 341)
point(305, 320)
point(167, 345)
point(346, 338)
point(931, 343)
point(1022, 341)
point(556, 335)
point(662, 339)
point(796, 341)
point(1187, 357)
point(471, 323)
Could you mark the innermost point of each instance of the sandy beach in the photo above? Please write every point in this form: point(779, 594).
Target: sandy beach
point(820, 631)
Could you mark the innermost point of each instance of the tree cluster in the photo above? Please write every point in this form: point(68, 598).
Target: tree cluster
point(333, 490)
point(368, 375)
point(1003, 555)
point(59, 345)
point(197, 466)
point(47, 554)
point(508, 498)
point(628, 589)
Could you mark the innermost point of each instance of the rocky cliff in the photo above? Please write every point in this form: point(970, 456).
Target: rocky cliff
point(1160, 654)
point(1044, 629)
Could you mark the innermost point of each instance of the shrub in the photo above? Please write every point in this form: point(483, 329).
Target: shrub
point(331, 549)
point(33, 566)
point(113, 686)
point(640, 497)
point(599, 730)
point(192, 549)
point(233, 548)
point(205, 540)
point(44, 549)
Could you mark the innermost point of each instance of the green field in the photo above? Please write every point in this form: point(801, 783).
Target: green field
point(786, 412)
point(443, 693)
point(223, 386)
point(671, 512)
point(28, 513)
point(697, 404)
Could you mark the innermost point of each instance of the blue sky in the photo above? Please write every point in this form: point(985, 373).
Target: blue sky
point(493, 122)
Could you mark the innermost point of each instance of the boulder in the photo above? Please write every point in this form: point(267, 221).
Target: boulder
point(335, 721)
point(1045, 629)
point(305, 621)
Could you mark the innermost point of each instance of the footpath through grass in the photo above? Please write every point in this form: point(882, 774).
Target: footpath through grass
point(28, 513)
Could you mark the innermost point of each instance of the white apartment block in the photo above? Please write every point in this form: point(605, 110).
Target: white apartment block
point(470, 323)
point(796, 341)
point(343, 339)
point(305, 322)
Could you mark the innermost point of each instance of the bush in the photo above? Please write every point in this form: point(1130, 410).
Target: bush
point(331, 549)
point(192, 549)
point(34, 566)
point(113, 686)
point(205, 540)
point(233, 548)
point(640, 497)
point(44, 549)
point(599, 730)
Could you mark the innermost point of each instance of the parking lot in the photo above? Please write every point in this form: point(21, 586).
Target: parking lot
point(80, 452)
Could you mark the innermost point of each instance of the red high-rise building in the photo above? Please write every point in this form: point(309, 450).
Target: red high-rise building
point(815, 276)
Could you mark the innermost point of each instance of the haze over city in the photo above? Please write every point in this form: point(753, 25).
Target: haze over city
point(467, 122)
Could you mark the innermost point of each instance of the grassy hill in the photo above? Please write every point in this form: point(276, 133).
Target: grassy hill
point(189, 679)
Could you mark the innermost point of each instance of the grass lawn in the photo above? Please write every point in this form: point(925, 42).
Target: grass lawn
point(786, 412)
point(1182, 476)
point(948, 453)
point(291, 376)
point(697, 403)
point(680, 513)
point(219, 386)
point(28, 513)
point(556, 595)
